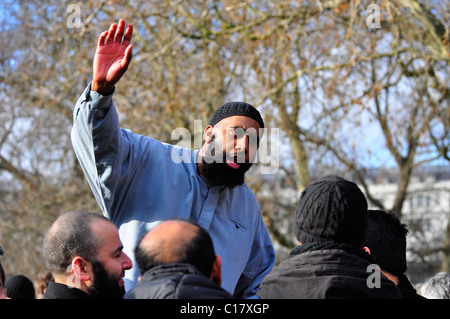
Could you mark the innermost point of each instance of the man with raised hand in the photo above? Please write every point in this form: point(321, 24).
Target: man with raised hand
point(138, 183)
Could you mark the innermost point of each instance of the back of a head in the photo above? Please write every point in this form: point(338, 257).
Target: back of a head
point(43, 279)
point(331, 209)
point(200, 252)
point(20, 287)
point(196, 249)
point(386, 239)
point(69, 236)
point(437, 287)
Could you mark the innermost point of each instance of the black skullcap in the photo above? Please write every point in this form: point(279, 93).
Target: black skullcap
point(332, 209)
point(234, 109)
point(19, 287)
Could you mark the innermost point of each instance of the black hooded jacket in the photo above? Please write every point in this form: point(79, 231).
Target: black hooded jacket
point(176, 281)
point(325, 271)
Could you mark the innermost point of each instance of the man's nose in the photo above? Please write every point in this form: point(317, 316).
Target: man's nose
point(241, 144)
point(127, 263)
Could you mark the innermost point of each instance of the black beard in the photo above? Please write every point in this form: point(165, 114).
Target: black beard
point(103, 286)
point(222, 174)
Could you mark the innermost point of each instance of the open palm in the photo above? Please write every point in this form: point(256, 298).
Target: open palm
point(112, 57)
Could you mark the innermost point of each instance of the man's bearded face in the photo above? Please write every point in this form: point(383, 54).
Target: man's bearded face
point(223, 169)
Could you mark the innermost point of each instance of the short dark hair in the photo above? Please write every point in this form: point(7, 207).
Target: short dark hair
point(198, 251)
point(386, 239)
point(69, 236)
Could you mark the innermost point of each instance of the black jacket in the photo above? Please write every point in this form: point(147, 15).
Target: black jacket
point(61, 291)
point(407, 289)
point(325, 271)
point(176, 281)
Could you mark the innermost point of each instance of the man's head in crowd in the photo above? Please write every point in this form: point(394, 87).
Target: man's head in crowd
point(331, 209)
point(231, 142)
point(83, 250)
point(178, 241)
point(386, 239)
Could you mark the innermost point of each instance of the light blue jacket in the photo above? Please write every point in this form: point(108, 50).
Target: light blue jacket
point(137, 184)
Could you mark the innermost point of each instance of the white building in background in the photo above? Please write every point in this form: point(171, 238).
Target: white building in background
point(427, 203)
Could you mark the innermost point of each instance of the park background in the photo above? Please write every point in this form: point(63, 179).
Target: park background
point(356, 88)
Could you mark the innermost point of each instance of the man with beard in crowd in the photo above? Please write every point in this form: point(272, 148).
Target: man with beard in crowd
point(84, 253)
point(139, 182)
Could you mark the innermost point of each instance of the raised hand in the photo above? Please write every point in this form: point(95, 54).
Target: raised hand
point(112, 57)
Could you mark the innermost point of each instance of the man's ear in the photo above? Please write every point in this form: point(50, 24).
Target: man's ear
point(81, 269)
point(208, 133)
point(216, 271)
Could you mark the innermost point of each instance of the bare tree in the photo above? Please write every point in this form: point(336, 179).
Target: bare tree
point(315, 69)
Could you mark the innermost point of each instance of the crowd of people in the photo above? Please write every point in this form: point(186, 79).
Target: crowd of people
point(183, 224)
point(338, 239)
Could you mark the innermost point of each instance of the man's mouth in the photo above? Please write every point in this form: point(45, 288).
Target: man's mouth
point(233, 165)
point(234, 162)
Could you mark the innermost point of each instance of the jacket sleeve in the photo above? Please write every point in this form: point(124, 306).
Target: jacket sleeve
point(107, 154)
point(261, 261)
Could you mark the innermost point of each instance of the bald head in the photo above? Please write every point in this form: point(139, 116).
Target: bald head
point(176, 241)
point(168, 241)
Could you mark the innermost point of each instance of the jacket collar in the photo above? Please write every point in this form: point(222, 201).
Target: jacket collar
point(330, 245)
point(170, 269)
point(60, 291)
